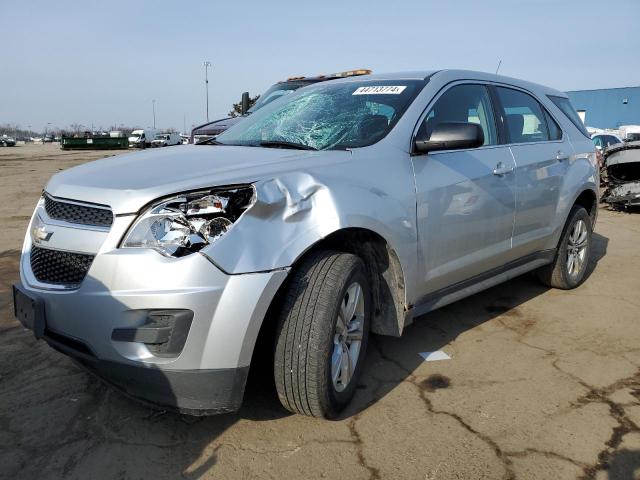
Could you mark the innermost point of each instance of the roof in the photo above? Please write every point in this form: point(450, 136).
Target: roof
point(459, 74)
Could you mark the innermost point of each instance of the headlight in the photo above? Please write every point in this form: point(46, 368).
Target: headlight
point(186, 223)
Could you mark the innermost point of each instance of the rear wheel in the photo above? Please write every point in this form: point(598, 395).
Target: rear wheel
point(322, 334)
point(574, 252)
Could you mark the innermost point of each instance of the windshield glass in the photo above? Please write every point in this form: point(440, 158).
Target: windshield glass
point(328, 115)
point(135, 135)
point(276, 91)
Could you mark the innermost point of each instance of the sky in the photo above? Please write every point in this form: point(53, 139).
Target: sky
point(102, 63)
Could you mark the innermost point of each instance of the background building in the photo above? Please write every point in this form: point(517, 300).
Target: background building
point(607, 107)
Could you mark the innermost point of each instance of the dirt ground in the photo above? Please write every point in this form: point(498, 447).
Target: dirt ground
point(541, 384)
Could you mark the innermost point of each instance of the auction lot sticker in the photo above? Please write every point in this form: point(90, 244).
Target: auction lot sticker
point(381, 90)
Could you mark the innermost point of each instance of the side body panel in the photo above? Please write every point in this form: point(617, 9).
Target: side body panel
point(541, 169)
point(370, 188)
point(465, 214)
point(581, 173)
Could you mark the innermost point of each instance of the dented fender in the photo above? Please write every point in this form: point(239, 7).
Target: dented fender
point(293, 211)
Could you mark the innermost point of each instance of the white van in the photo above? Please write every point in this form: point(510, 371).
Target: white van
point(630, 133)
point(166, 139)
point(142, 138)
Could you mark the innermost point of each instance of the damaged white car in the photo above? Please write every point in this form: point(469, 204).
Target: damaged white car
point(622, 164)
point(345, 208)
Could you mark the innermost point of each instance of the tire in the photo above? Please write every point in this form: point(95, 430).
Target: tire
point(308, 345)
point(558, 273)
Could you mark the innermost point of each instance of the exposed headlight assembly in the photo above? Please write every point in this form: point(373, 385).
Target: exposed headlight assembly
point(184, 224)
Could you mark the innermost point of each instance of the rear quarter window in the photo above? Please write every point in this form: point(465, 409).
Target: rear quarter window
point(565, 106)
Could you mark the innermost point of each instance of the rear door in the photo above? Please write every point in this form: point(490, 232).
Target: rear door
point(465, 198)
point(541, 152)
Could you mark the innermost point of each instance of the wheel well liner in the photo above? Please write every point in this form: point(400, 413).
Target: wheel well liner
point(589, 200)
point(383, 270)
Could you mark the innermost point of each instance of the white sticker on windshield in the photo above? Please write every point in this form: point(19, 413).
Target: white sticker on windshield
point(381, 90)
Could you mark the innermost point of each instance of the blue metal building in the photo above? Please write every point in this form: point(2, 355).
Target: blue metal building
point(608, 107)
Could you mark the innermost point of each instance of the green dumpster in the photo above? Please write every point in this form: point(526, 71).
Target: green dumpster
point(94, 143)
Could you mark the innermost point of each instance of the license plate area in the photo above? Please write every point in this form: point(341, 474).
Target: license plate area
point(29, 311)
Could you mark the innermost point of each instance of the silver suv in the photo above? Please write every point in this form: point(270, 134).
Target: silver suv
point(345, 208)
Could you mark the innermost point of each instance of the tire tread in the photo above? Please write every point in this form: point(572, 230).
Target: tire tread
point(299, 368)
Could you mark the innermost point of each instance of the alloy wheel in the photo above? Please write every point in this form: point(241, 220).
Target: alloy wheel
point(348, 334)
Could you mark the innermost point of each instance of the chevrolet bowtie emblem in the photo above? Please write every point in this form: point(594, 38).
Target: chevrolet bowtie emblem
point(40, 234)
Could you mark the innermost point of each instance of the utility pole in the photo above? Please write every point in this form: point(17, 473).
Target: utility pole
point(153, 102)
point(207, 64)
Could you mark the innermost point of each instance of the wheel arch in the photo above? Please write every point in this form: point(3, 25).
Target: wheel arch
point(588, 199)
point(384, 272)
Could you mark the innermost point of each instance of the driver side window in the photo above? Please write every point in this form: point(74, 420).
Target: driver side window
point(467, 104)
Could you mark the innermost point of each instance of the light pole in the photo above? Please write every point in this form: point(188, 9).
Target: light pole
point(153, 102)
point(207, 64)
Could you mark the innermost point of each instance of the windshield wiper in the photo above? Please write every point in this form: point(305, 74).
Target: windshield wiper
point(210, 141)
point(285, 144)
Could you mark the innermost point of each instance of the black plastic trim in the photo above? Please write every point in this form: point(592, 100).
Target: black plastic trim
point(498, 111)
point(432, 298)
point(191, 392)
point(151, 335)
point(164, 332)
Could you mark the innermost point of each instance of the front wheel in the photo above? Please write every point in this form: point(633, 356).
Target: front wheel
point(322, 334)
point(574, 252)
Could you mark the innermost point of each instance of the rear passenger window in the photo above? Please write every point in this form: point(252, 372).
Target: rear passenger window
point(524, 116)
point(565, 106)
point(464, 103)
point(555, 133)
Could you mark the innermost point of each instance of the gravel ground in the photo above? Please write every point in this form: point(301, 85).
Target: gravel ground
point(541, 384)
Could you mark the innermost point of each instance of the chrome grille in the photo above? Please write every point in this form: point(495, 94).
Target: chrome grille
point(59, 267)
point(79, 214)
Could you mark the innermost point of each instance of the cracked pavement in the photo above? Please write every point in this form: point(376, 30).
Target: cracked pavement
point(542, 384)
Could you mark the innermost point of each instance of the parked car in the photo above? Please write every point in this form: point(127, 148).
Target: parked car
point(142, 138)
point(7, 141)
point(346, 208)
point(604, 140)
point(166, 139)
point(211, 129)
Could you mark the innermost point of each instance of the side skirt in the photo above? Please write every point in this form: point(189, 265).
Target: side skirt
point(476, 284)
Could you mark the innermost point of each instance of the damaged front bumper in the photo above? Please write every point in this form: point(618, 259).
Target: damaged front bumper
point(623, 195)
point(174, 332)
point(623, 175)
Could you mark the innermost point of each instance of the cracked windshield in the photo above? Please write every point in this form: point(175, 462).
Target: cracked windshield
point(325, 117)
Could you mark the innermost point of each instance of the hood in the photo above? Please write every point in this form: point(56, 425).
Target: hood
point(128, 182)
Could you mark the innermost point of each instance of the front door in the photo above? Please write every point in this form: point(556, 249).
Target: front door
point(465, 198)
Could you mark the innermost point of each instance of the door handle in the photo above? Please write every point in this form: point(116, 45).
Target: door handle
point(560, 156)
point(501, 169)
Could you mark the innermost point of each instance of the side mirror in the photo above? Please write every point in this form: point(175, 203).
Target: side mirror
point(450, 136)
